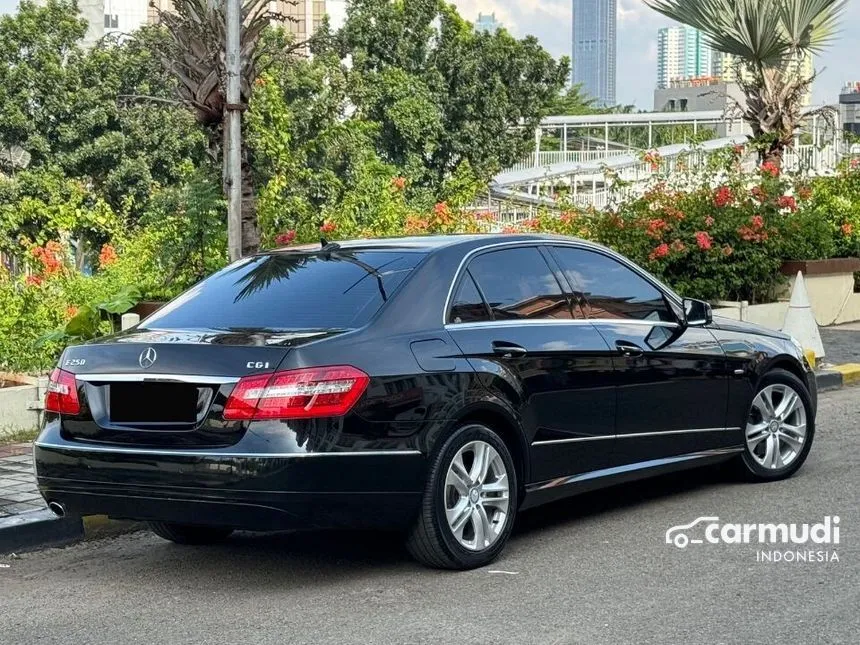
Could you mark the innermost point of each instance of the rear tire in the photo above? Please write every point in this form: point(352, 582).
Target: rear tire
point(469, 502)
point(779, 429)
point(189, 534)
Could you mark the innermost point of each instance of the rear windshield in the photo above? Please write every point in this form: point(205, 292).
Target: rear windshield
point(337, 290)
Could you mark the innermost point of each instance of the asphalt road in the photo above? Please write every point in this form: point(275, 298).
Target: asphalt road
point(595, 569)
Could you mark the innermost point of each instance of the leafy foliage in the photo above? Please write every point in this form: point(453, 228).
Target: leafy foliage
point(769, 39)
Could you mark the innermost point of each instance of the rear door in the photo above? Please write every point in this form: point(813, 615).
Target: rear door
point(513, 320)
point(671, 379)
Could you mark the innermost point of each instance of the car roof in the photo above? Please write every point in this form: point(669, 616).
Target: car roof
point(428, 243)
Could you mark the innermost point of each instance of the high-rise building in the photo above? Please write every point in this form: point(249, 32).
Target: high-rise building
point(487, 23)
point(124, 16)
point(682, 54)
point(802, 66)
point(595, 48)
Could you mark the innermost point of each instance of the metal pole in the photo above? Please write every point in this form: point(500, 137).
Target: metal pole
point(233, 128)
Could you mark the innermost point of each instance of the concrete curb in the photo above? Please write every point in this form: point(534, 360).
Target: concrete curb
point(838, 376)
point(36, 529)
point(39, 529)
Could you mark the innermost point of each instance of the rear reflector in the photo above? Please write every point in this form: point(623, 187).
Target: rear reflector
point(62, 395)
point(297, 394)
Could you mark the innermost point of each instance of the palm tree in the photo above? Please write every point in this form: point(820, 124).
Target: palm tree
point(197, 61)
point(769, 39)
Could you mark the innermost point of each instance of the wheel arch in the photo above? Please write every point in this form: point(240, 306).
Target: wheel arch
point(506, 426)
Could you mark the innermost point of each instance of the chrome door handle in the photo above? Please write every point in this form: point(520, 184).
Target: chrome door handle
point(630, 350)
point(508, 350)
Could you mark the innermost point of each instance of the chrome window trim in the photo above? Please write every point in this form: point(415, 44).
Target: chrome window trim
point(636, 435)
point(579, 322)
point(537, 243)
point(141, 377)
point(165, 452)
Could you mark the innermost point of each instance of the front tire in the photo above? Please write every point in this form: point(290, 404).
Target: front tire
point(189, 534)
point(780, 428)
point(469, 502)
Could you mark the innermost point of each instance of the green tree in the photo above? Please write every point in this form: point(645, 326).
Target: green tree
point(442, 94)
point(769, 39)
point(195, 57)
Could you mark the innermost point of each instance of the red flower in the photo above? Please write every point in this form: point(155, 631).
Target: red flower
point(399, 183)
point(285, 238)
point(653, 159)
point(709, 221)
point(704, 240)
point(33, 280)
point(757, 221)
point(759, 194)
point(660, 252)
point(847, 229)
point(656, 227)
point(770, 168)
point(567, 217)
point(510, 229)
point(107, 256)
point(442, 213)
point(789, 202)
point(328, 227)
point(532, 224)
point(71, 312)
point(855, 163)
point(723, 196)
point(416, 224)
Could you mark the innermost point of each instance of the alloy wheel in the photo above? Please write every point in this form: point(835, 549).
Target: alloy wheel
point(477, 495)
point(776, 428)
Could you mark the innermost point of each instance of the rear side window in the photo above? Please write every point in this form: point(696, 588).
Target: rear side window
point(518, 284)
point(342, 289)
point(611, 289)
point(468, 306)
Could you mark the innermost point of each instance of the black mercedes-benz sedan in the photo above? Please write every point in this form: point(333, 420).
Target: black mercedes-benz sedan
point(438, 385)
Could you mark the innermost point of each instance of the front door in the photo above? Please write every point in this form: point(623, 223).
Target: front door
point(671, 380)
point(522, 333)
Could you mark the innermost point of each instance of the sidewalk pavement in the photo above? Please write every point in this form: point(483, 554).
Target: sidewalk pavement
point(26, 522)
point(18, 491)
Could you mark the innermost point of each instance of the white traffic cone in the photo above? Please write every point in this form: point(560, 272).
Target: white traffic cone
point(800, 321)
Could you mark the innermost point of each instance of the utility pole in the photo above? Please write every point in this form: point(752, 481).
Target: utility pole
point(233, 128)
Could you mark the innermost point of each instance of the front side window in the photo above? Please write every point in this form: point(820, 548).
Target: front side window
point(611, 289)
point(519, 284)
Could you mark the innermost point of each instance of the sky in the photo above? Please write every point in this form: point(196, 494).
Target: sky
point(550, 21)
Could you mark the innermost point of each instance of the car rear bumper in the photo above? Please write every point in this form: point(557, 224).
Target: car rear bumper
point(239, 490)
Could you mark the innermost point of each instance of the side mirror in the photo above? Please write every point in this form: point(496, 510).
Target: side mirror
point(697, 313)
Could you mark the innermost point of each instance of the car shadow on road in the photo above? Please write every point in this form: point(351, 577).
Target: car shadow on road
point(311, 556)
point(620, 497)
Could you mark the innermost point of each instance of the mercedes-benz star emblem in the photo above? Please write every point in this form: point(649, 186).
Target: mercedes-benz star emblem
point(147, 358)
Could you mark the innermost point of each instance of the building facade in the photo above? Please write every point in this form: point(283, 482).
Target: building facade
point(849, 107)
point(487, 23)
point(106, 17)
point(595, 48)
point(682, 54)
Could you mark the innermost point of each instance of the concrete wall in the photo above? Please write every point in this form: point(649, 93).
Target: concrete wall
point(20, 406)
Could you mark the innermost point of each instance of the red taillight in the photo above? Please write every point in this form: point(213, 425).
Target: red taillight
point(62, 396)
point(297, 394)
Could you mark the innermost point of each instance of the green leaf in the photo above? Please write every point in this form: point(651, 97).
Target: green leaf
point(85, 324)
point(121, 301)
point(51, 337)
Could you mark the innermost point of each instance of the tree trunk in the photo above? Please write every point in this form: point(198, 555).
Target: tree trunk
point(250, 229)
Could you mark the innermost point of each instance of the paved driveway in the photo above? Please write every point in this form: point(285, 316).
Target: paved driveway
point(591, 570)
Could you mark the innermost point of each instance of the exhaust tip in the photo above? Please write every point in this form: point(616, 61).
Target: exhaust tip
point(58, 509)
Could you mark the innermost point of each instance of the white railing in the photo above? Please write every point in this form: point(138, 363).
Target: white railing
point(550, 157)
